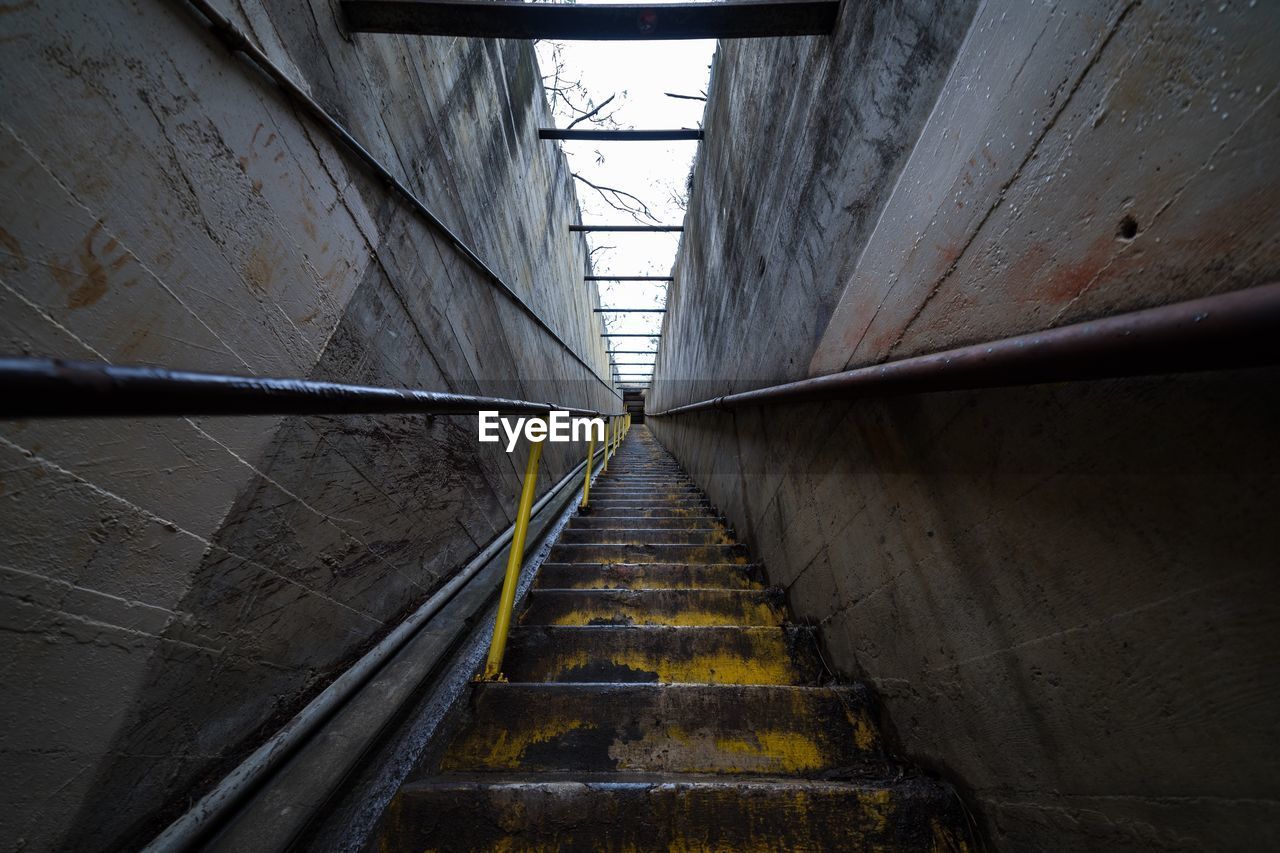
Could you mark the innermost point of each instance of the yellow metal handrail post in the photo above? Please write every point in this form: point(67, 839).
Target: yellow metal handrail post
point(605, 466)
point(586, 475)
point(515, 558)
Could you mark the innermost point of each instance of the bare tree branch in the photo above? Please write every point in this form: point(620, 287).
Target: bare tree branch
point(620, 200)
point(588, 116)
point(701, 97)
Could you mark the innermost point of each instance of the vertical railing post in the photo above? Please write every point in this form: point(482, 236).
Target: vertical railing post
point(586, 475)
point(515, 558)
point(608, 421)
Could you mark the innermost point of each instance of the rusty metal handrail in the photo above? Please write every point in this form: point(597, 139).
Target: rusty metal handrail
point(51, 388)
point(1230, 330)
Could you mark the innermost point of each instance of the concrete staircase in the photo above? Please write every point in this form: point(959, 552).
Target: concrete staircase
point(657, 698)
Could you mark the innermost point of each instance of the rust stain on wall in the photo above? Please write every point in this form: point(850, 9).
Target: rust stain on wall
point(1065, 282)
point(10, 246)
point(260, 270)
point(91, 285)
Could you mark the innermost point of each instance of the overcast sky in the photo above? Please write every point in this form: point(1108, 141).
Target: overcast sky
point(638, 74)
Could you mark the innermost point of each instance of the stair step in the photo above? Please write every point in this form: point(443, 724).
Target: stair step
point(665, 655)
point(649, 496)
point(649, 576)
point(570, 552)
point(647, 463)
point(646, 536)
point(641, 503)
point(645, 488)
point(615, 813)
point(617, 475)
point(680, 728)
point(648, 511)
point(653, 607)
point(667, 484)
point(654, 486)
point(632, 522)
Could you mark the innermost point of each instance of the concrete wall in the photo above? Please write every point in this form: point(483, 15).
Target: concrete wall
point(174, 589)
point(1064, 594)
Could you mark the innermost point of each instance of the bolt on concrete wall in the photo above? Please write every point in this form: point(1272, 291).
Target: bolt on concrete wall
point(1063, 593)
point(175, 589)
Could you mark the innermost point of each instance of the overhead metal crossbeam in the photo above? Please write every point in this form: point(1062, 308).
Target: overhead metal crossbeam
point(627, 278)
point(581, 228)
point(504, 19)
point(674, 134)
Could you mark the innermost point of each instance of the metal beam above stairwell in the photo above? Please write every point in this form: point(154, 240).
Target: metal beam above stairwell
point(596, 22)
point(627, 278)
point(583, 228)
point(661, 135)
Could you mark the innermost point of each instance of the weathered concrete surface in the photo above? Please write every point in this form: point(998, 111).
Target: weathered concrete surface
point(806, 137)
point(1083, 159)
point(1063, 593)
point(175, 589)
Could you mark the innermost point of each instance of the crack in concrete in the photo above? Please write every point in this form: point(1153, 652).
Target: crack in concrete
point(1095, 623)
point(325, 517)
point(176, 528)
